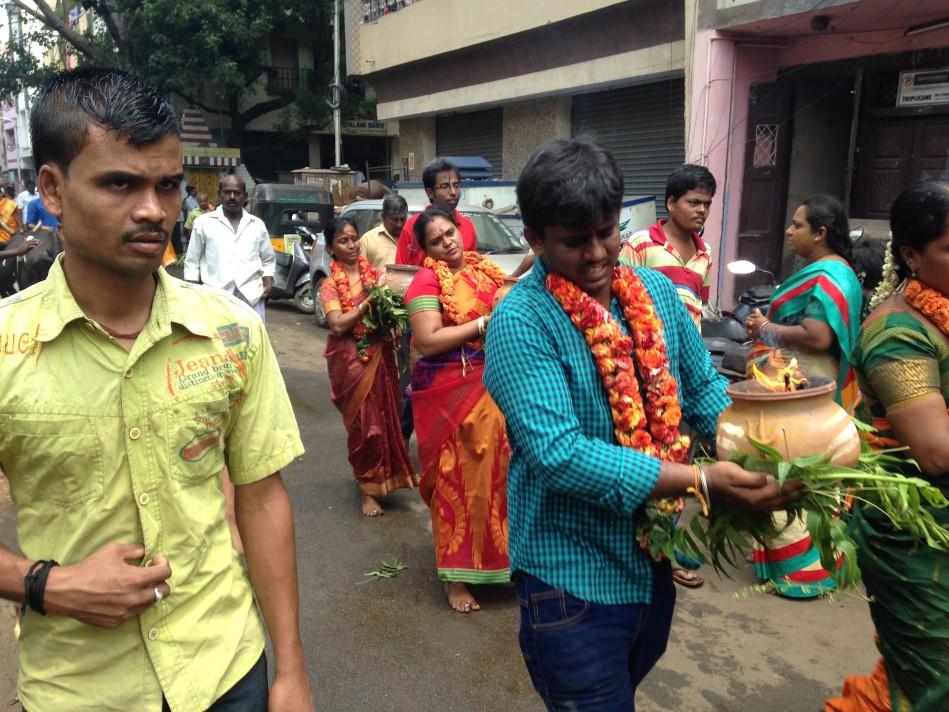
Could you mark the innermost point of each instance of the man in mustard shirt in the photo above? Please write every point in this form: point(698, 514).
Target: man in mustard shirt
point(378, 244)
point(123, 395)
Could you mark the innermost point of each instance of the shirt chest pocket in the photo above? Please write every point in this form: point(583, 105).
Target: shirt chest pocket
point(47, 458)
point(196, 431)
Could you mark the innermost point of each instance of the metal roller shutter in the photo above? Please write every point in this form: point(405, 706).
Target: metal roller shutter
point(477, 133)
point(643, 126)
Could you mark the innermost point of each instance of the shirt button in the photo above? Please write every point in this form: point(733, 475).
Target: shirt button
point(135, 433)
point(143, 498)
point(153, 634)
point(90, 326)
point(128, 374)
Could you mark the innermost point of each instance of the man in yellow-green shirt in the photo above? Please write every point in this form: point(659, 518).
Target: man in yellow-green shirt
point(123, 395)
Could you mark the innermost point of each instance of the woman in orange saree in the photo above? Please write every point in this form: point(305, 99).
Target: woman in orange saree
point(364, 379)
point(462, 443)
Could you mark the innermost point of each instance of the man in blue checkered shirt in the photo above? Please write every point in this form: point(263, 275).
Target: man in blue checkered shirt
point(595, 609)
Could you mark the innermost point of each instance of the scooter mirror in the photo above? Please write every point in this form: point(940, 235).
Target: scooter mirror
point(741, 267)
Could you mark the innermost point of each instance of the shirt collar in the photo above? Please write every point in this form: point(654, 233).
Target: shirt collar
point(168, 305)
point(218, 212)
point(658, 235)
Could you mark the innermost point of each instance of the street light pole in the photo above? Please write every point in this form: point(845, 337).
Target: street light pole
point(337, 129)
point(13, 17)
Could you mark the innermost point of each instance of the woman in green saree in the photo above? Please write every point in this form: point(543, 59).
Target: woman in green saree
point(815, 318)
point(902, 364)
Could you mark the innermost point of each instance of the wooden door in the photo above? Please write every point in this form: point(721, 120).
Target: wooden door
point(764, 191)
point(894, 153)
point(930, 159)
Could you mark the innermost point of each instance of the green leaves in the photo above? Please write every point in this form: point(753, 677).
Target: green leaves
point(386, 315)
point(828, 503)
point(388, 569)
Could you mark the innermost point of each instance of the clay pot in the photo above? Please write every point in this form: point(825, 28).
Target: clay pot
point(796, 424)
point(399, 277)
point(504, 289)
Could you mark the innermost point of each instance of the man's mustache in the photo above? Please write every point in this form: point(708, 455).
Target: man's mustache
point(152, 229)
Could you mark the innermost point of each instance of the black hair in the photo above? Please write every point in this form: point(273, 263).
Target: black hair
point(220, 183)
point(189, 188)
point(30, 185)
point(689, 177)
point(108, 98)
point(920, 215)
point(576, 183)
point(424, 218)
point(826, 211)
point(332, 227)
point(868, 258)
point(438, 165)
point(10, 191)
point(394, 204)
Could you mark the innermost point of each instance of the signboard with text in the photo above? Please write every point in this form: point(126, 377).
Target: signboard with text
point(923, 87)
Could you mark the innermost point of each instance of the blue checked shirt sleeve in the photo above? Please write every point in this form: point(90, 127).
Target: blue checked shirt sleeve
point(702, 388)
point(525, 376)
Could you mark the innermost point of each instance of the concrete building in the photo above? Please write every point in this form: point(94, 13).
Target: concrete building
point(787, 98)
point(780, 98)
point(497, 78)
point(17, 148)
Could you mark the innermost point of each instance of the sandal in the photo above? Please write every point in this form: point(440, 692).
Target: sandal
point(686, 578)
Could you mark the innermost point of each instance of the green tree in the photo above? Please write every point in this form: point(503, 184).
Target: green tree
point(209, 52)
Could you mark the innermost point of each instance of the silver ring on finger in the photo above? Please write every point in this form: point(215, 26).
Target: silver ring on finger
point(158, 594)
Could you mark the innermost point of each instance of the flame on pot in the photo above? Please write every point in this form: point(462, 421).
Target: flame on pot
point(779, 374)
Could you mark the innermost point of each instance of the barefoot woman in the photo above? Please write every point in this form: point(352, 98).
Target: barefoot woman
point(364, 386)
point(461, 440)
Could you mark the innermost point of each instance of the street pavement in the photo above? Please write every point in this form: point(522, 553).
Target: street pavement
point(395, 644)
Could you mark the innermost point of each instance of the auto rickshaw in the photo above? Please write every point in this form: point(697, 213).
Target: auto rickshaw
point(294, 216)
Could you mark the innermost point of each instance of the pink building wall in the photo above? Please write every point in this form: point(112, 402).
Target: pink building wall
point(723, 70)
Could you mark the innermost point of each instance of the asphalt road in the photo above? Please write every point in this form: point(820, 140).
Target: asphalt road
point(395, 645)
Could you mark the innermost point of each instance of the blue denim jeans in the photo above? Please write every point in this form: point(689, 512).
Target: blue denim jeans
point(588, 656)
point(249, 694)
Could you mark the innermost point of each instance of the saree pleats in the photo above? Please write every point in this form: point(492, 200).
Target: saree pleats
point(368, 396)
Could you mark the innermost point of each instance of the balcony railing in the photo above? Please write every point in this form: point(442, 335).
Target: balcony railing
point(287, 78)
point(374, 9)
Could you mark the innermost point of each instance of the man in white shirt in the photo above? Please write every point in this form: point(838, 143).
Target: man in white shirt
point(25, 197)
point(230, 248)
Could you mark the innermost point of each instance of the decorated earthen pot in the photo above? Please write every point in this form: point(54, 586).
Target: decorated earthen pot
point(504, 289)
point(796, 424)
point(399, 277)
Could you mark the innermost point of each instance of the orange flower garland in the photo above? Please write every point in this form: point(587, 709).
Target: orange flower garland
point(367, 275)
point(930, 302)
point(446, 283)
point(650, 424)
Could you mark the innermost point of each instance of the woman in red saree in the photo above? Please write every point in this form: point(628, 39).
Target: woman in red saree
point(364, 383)
point(462, 444)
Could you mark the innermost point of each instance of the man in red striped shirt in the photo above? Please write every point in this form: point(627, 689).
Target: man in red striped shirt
point(674, 246)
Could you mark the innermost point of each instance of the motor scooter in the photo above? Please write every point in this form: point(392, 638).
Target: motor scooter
point(292, 274)
point(724, 334)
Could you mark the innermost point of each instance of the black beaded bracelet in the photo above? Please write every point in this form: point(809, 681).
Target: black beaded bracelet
point(34, 585)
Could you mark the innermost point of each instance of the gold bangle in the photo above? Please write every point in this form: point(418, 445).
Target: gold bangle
point(698, 479)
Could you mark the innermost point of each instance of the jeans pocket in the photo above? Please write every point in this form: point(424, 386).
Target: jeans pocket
point(554, 610)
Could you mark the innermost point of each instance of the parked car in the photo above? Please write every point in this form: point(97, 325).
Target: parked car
point(494, 239)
